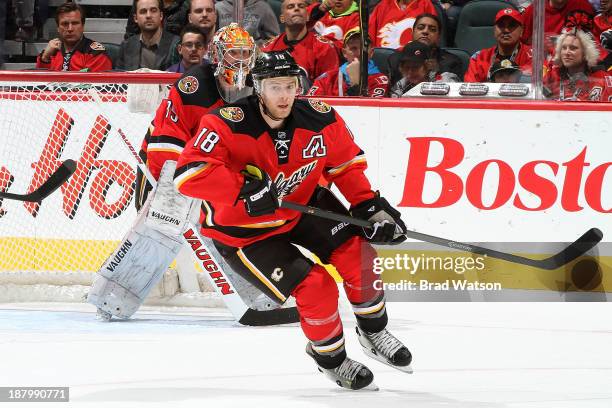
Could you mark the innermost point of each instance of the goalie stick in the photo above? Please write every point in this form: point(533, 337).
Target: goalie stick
point(234, 302)
point(579, 247)
point(59, 176)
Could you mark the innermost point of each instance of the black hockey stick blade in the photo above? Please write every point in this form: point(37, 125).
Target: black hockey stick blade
point(56, 179)
point(274, 317)
point(579, 247)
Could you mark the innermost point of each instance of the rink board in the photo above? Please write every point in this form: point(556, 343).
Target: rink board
point(488, 151)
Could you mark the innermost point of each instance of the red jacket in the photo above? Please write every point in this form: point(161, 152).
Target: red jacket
point(481, 61)
point(313, 53)
point(554, 18)
point(391, 27)
point(596, 88)
point(334, 28)
point(88, 55)
point(315, 142)
point(601, 23)
point(328, 85)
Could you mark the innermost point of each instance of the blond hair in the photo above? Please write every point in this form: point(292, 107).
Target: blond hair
point(589, 49)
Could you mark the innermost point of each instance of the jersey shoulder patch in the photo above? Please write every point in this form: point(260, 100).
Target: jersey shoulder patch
point(313, 114)
point(319, 105)
point(232, 113)
point(188, 84)
point(96, 46)
point(197, 87)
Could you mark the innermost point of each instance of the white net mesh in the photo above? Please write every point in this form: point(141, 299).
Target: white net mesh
point(78, 226)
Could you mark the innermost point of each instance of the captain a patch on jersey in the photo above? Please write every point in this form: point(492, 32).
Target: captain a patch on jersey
point(188, 85)
point(232, 113)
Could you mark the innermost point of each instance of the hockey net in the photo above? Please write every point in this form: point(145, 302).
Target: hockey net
point(49, 251)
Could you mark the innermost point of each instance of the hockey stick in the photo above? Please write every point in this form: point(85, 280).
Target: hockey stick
point(59, 176)
point(579, 247)
point(215, 266)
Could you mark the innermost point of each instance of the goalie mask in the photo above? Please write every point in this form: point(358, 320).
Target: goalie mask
point(233, 51)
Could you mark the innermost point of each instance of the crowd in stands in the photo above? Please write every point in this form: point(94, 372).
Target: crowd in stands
point(407, 39)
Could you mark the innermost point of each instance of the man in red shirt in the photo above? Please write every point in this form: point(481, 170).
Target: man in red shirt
point(344, 81)
point(507, 31)
point(72, 51)
point(313, 53)
point(555, 14)
point(391, 21)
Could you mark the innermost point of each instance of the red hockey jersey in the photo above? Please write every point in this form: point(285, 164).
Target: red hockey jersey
point(335, 27)
point(87, 56)
point(331, 82)
point(314, 142)
point(553, 18)
point(313, 53)
point(594, 87)
point(391, 27)
point(177, 118)
point(481, 62)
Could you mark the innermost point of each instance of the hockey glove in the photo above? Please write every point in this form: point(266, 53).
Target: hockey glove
point(387, 228)
point(258, 192)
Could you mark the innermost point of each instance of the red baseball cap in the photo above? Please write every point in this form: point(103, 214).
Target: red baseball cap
point(509, 12)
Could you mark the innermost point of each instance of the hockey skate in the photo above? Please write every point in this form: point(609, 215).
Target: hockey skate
point(384, 347)
point(350, 374)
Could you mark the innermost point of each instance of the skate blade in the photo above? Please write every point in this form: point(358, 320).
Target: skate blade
point(103, 316)
point(405, 369)
point(370, 387)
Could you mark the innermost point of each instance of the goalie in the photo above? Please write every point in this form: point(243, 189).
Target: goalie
point(128, 275)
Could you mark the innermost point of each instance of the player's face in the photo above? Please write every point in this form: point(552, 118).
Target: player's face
point(70, 27)
point(415, 73)
point(148, 16)
point(294, 13)
point(427, 32)
point(507, 32)
point(202, 13)
point(278, 95)
point(572, 55)
point(340, 6)
point(192, 49)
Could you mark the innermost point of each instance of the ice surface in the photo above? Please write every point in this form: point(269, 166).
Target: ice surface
point(468, 355)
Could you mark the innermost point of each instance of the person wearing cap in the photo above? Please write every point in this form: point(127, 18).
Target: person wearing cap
point(555, 14)
point(315, 54)
point(344, 81)
point(416, 66)
point(507, 31)
point(505, 72)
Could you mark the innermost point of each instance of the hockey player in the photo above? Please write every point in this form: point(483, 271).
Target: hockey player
point(123, 281)
point(250, 155)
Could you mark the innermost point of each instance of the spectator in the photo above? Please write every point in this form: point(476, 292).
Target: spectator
point(391, 21)
point(555, 14)
point(415, 67)
point(154, 47)
point(507, 31)
point(427, 29)
point(175, 17)
point(505, 72)
point(202, 13)
point(313, 53)
point(606, 43)
point(603, 21)
point(345, 80)
point(333, 23)
point(192, 48)
point(573, 76)
point(72, 51)
point(24, 18)
point(259, 18)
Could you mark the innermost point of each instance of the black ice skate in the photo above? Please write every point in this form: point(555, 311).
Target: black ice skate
point(384, 347)
point(350, 374)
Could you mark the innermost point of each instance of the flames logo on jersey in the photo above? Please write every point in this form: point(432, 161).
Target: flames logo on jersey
point(391, 33)
point(319, 106)
point(188, 85)
point(286, 186)
point(233, 113)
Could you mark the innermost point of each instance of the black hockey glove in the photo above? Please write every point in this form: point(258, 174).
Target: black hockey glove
point(387, 228)
point(258, 192)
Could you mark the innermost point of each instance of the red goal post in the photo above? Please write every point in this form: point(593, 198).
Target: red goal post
point(48, 117)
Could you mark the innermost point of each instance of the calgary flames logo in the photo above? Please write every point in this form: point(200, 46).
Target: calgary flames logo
point(232, 113)
point(319, 106)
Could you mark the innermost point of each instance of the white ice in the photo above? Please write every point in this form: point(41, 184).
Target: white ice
point(468, 355)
